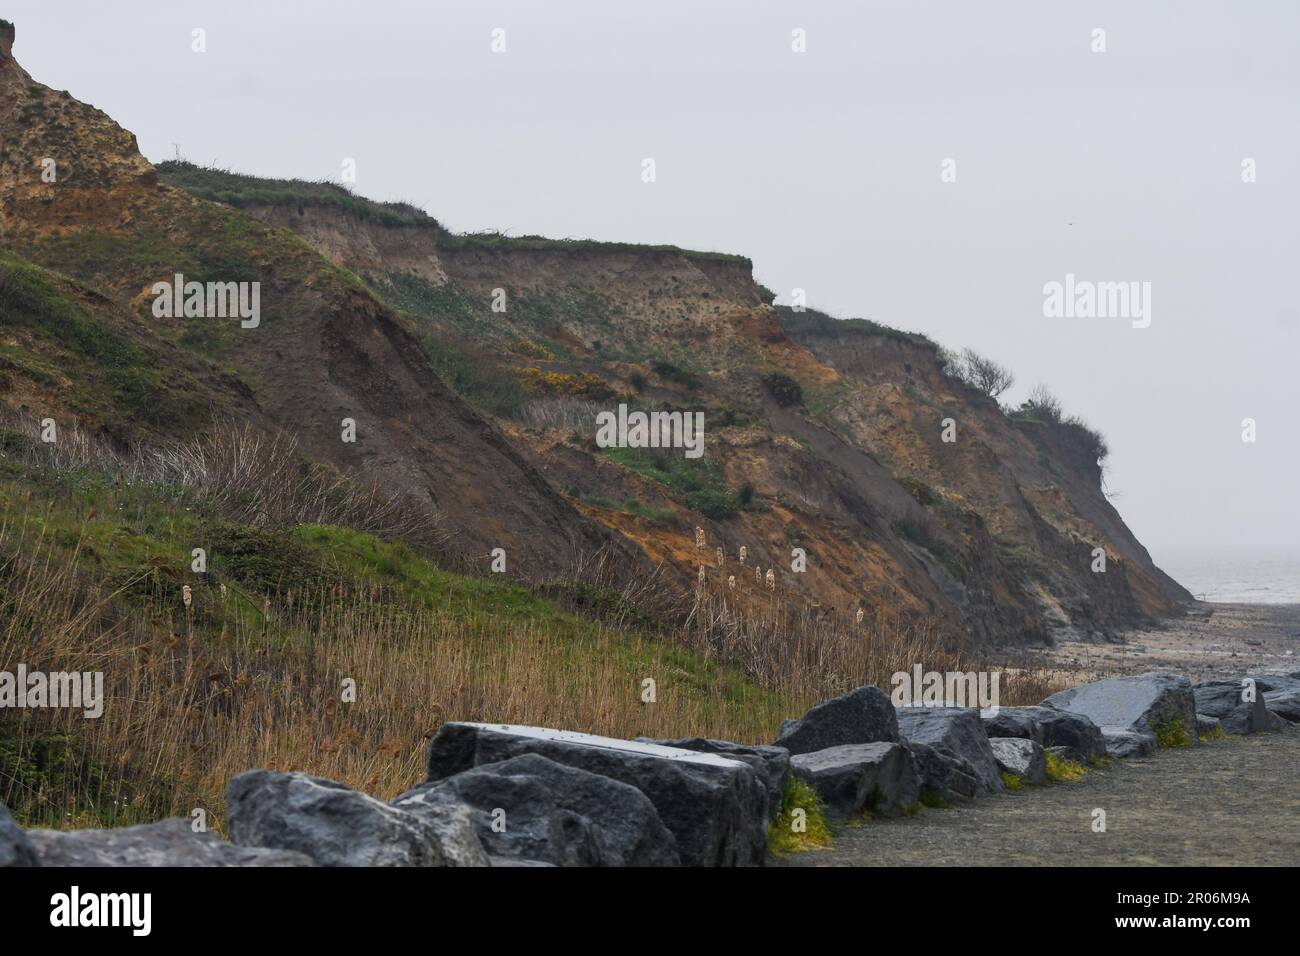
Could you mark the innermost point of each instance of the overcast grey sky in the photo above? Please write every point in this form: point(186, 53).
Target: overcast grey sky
point(824, 167)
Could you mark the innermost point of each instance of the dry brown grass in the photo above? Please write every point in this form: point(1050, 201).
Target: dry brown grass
point(815, 653)
point(243, 680)
point(187, 710)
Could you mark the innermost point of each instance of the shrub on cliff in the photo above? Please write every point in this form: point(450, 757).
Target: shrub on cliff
point(979, 372)
point(783, 389)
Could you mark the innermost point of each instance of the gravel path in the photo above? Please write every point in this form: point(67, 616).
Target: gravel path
point(1224, 802)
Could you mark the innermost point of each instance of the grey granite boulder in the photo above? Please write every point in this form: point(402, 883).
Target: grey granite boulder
point(1238, 704)
point(170, 842)
point(863, 716)
point(338, 826)
point(1207, 726)
point(1023, 722)
point(1130, 710)
point(1285, 704)
point(715, 807)
point(1051, 728)
point(531, 808)
point(16, 847)
point(1020, 757)
point(1129, 743)
point(878, 777)
point(941, 774)
point(1281, 695)
point(957, 734)
point(771, 763)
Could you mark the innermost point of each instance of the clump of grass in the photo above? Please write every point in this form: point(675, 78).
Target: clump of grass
point(1173, 733)
point(1061, 769)
point(933, 800)
point(814, 831)
point(1215, 734)
point(1012, 782)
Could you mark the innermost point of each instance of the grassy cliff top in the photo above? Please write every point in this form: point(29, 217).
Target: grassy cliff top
point(242, 191)
point(811, 322)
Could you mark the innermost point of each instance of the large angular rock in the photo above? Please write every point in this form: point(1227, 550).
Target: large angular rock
point(169, 842)
point(878, 777)
point(16, 847)
point(1278, 682)
point(863, 716)
point(1021, 757)
point(533, 809)
point(1225, 699)
point(941, 774)
point(1051, 728)
point(771, 763)
point(338, 826)
point(1207, 726)
point(1281, 695)
point(716, 807)
point(1129, 743)
point(956, 734)
point(1285, 704)
point(1130, 710)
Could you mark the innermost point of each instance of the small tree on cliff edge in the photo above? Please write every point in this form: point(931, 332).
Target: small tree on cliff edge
point(980, 373)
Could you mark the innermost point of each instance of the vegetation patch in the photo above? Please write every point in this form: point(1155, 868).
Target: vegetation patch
point(1061, 769)
point(242, 191)
point(810, 322)
point(802, 824)
point(566, 384)
point(1173, 733)
point(933, 800)
point(785, 391)
point(1012, 782)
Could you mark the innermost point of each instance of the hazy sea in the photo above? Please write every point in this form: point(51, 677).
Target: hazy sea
point(1236, 578)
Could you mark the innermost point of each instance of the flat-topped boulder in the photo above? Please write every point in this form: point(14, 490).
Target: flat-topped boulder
point(1281, 695)
point(16, 847)
point(1238, 704)
point(862, 716)
point(535, 810)
point(170, 842)
point(957, 735)
point(1132, 711)
point(771, 763)
point(1020, 757)
point(1050, 728)
point(877, 777)
point(715, 806)
point(338, 826)
point(1129, 743)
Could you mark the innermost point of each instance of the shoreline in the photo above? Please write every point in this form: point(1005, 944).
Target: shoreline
point(1210, 641)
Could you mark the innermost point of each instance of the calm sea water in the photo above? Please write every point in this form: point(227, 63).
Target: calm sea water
point(1236, 578)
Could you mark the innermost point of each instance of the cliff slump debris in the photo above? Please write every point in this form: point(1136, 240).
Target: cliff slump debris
point(475, 365)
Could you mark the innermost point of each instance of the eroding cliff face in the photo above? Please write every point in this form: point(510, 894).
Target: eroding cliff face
point(325, 349)
point(475, 366)
point(994, 534)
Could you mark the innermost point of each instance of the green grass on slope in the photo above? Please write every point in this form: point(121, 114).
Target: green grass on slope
point(234, 678)
point(55, 340)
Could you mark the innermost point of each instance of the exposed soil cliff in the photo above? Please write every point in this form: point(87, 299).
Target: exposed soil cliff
point(325, 349)
point(475, 365)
